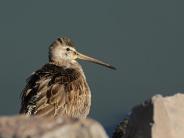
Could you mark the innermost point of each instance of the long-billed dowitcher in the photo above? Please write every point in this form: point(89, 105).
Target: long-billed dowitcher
point(60, 86)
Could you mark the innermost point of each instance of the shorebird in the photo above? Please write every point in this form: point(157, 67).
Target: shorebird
point(59, 88)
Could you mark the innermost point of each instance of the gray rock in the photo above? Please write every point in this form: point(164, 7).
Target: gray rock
point(168, 116)
point(24, 127)
point(160, 117)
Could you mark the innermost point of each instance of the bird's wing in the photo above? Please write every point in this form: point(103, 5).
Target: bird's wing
point(47, 90)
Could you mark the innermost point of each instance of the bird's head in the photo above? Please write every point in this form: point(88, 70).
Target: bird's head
point(62, 51)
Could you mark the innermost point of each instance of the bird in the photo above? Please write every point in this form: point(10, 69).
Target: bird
point(59, 87)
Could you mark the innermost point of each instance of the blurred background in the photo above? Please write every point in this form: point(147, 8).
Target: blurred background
point(143, 39)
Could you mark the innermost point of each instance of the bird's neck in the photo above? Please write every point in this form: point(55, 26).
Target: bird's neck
point(67, 64)
point(73, 65)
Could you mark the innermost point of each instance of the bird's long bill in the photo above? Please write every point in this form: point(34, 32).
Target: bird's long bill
point(90, 59)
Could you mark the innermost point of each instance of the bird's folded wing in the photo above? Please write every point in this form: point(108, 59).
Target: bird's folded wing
point(46, 92)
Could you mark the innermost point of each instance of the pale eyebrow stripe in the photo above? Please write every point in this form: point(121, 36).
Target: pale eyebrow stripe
point(70, 47)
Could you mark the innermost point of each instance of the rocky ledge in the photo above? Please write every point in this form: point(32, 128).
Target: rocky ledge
point(159, 117)
point(24, 127)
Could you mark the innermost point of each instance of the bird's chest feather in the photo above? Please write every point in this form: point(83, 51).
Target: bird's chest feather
point(68, 95)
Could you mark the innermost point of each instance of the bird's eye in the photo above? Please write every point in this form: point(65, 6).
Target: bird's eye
point(68, 49)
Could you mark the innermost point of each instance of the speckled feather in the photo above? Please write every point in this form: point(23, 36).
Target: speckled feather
point(54, 90)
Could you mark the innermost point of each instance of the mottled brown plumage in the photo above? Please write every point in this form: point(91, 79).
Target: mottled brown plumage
point(59, 88)
point(54, 90)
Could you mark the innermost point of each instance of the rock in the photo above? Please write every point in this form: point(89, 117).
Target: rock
point(34, 127)
point(160, 117)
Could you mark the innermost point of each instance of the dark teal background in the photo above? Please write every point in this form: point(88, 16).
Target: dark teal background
point(143, 39)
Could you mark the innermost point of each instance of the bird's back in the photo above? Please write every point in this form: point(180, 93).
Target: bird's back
point(54, 90)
